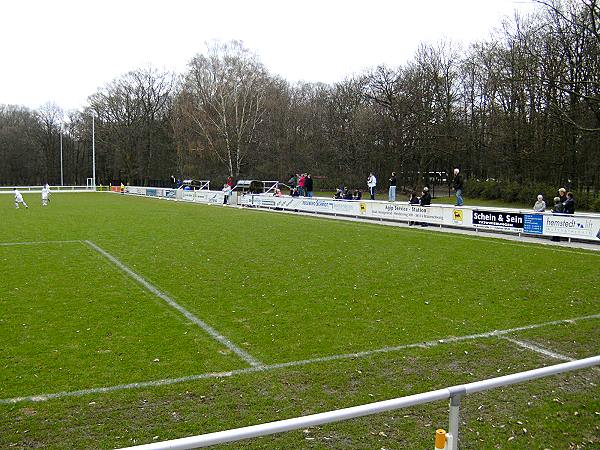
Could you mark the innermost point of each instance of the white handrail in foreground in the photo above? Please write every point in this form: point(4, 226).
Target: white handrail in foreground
point(454, 393)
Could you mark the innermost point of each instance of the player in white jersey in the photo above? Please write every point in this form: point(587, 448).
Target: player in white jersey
point(19, 199)
point(45, 195)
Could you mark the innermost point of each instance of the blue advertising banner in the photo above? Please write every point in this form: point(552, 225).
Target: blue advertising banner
point(533, 223)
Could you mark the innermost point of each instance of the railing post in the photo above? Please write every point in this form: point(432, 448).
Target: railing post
point(456, 395)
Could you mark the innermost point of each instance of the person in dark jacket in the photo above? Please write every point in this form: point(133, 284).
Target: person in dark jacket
point(569, 204)
point(392, 189)
point(413, 200)
point(557, 208)
point(457, 185)
point(425, 197)
point(357, 194)
point(425, 200)
point(308, 185)
point(562, 195)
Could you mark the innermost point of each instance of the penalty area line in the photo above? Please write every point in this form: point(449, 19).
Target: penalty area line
point(172, 303)
point(538, 349)
point(266, 368)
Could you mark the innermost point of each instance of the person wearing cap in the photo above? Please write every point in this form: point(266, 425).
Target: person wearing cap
point(457, 185)
point(19, 199)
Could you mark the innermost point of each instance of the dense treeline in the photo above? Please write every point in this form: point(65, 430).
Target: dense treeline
point(522, 107)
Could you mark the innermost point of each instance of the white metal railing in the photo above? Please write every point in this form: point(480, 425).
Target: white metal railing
point(454, 393)
point(9, 189)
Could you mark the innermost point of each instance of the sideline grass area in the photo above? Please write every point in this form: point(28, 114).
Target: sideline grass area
point(283, 288)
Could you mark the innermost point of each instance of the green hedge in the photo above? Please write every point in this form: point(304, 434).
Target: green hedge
point(512, 192)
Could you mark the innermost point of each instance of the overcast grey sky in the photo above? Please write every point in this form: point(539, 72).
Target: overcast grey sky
point(62, 50)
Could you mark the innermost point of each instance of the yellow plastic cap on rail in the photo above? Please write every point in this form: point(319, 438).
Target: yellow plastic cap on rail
point(440, 439)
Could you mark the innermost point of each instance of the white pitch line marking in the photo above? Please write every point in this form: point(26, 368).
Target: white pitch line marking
point(10, 244)
point(265, 368)
point(538, 349)
point(192, 318)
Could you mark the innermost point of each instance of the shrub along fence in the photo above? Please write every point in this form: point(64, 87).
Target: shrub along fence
point(512, 191)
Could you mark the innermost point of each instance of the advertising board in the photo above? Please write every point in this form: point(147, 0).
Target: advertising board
point(508, 221)
point(406, 212)
point(572, 226)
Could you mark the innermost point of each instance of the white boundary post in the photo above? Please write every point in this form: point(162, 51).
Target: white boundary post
point(94, 151)
point(456, 395)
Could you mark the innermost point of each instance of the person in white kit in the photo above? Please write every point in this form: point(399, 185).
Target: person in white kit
point(19, 199)
point(45, 195)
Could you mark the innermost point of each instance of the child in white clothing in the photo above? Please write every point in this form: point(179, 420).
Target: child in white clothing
point(19, 199)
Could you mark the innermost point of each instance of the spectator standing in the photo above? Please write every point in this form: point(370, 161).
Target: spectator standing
point(230, 182)
point(372, 184)
point(308, 185)
point(540, 204)
point(292, 182)
point(569, 204)
point(457, 185)
point(392, 190)
point(562, 195)
point(226, 193)
point(558, 206)
point(301, 179)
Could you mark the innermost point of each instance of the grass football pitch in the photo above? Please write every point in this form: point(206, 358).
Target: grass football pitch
point(127, 320)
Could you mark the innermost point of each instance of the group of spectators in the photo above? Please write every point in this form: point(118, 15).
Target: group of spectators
point(301, 185)
point(345, 193)
point(563, 204)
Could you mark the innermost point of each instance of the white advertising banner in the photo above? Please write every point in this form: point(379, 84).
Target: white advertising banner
point(188, 196)
point(406, 212)
point(307, 204)
point(582, 227)
point(213, 197)
point(203, 196)
point(457, 217)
